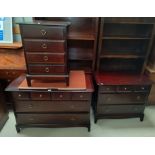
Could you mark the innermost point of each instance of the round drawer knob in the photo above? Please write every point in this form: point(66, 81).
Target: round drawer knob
point(108, 88)
point(138, 97)
point(81, 96)
point(47, 70)
point(61, 96)
point(45, 58)
point(125, 88)
point(43, 32)
point(7, 73)
point(44, 46)
point(19, 95)
point(40, 95)
point(143, 88)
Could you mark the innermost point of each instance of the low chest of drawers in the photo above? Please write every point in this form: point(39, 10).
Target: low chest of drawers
point(45, 48)
point(120, 96)
point(51, 108)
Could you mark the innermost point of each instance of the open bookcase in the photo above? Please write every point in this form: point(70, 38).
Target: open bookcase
point(124, 44)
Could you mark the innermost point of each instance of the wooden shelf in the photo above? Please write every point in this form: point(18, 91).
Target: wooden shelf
point(122, 56)
point(15, 45)
point(81, 37)
point(127, 38)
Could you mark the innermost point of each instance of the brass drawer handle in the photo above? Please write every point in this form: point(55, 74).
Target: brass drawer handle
point(43, 32)
point(45, 58)
point(44, 46)
point(47, 70)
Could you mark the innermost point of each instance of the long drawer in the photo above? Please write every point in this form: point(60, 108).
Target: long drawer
point(33, 45)
point(52, 118)
point(120, 109)
point(45, 58)
point(46, 69)
point(123, 98)
point(52, 106)
point(43, 32)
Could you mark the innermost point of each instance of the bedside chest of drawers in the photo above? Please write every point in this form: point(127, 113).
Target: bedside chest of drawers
point(45, 48)
point(51, 108)
point(120, 95)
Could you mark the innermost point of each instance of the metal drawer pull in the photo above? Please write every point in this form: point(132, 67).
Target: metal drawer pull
point(72, 119)
point(138, 97)
point(81, 96)
point(30, 106)
point(45, 58)
point(143, 88)
point(44, 46)
point(40, 95)
point(43, 32)
point(125, 88)
point(19, 95)
point(47, 70)
point(61, 96)
point(108, 88)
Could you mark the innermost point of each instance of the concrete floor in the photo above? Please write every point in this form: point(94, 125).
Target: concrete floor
point(131, 127)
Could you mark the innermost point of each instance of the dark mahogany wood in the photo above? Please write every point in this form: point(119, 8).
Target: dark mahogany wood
point(55, 108)
point(42, 39)
point(120, 95)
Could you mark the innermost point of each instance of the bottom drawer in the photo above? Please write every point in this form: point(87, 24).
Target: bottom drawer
point(52, 118)
point(120, 109)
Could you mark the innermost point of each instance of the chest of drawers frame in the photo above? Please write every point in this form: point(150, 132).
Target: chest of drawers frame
point(45, 48)
point(51, 108)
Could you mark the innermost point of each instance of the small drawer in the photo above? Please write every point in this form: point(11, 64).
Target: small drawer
point(42, 32)
point(52, 118)
point(120, 109)
point(142, 88)
point(61, 96)
point(125, 88)
point(21, 95)
point(81, 96)
point(46, 69)
point(40, 96)
point(34, 58)
point(107, 89)
point(44, 46)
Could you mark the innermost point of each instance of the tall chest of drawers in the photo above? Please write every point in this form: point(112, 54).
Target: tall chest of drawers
point(51, 108)
point(121, 96)
point(45, 48)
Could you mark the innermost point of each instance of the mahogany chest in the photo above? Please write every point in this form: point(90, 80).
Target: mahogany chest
point(45, 48)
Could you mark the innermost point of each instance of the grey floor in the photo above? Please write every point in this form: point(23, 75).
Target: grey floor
point(131, 127)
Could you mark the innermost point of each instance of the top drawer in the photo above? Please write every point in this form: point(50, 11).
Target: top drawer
point(42, 32)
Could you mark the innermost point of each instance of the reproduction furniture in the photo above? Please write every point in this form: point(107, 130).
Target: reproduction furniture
point(45, 48)
point(82, 41)
point(120, 95)
point(51, 108)
point(3, 110)
point(124, 47)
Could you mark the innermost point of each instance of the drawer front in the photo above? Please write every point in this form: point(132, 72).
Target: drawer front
point(61, 96)
point(120, 109)
point(52, 118)
point(40, 96)
point(52, 106)
point(43, 32)
point(21, 95)
point(44, 46)
point(46, 69)
point(107, 89)
point(140, 98)
point(142, 88)
point(125, 88)
point(45, 58)
point(81, 96)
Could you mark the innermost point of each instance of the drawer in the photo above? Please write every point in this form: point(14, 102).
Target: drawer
point(120, 109)
point(46, 69)
point(61, 96)
point(136, 98)
point(142, 88)
point(125, 88)
point(44, 46)
point(42, 32)
point(52, 118)
point(81, 96)
point(21, 95)
point(45, 58)
point(52, 106)
point(40, 96)
point(107, 89)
